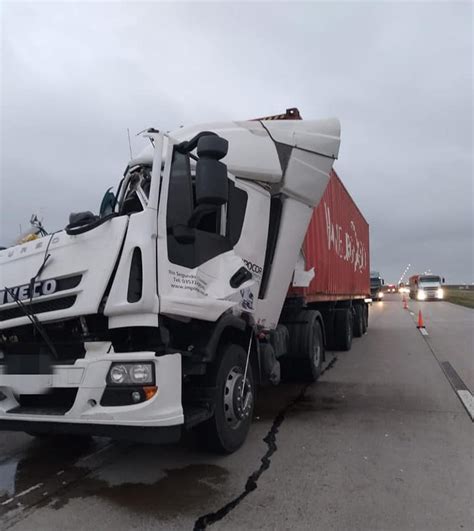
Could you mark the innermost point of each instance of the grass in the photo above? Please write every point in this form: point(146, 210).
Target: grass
point(459, 296)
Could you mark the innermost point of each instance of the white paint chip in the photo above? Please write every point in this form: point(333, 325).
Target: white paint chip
point(468, 401)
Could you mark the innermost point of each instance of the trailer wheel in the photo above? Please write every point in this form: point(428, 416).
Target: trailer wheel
point(227, 430)
point(365, 312)
point(358, 321)
point(343, 329)
point(306, 354)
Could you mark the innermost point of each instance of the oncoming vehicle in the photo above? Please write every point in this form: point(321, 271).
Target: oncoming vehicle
point(391, 288)
point(403, 289)
point(231, 256)
point(376, 286)
point(426, 287)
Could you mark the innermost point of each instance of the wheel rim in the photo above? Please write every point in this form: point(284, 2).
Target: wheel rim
point(316, 357)
point(237, 401)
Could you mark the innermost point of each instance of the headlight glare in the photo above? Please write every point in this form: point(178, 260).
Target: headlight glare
point(440, 293)
point(421, 296)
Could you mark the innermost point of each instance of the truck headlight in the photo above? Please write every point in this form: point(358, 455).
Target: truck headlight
point(440, 293)
point(141, 374)
point(118, 374)
point(380, 294)
point(421, 295)
point(131, 374)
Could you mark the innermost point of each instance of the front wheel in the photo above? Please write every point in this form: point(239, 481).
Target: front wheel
point(227, 430)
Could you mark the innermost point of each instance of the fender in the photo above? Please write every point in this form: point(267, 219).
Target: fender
point(227, 321)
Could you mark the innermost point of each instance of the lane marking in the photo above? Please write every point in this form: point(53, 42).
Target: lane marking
point(468, 401)
point(34, 487)
point(6, 502)
point(423, 331)
point(459, 387)
point(454, 379)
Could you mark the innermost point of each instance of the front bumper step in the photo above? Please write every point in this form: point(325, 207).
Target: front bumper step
point(154, 435)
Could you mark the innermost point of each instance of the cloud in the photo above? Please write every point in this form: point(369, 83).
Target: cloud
point(75, 76)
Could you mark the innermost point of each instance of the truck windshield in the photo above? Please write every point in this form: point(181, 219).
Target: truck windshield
point(375, 281)
point(136, 189)
point(429, 279)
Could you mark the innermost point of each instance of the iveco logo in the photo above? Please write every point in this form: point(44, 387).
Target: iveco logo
point(45, 287)
point(20, 250)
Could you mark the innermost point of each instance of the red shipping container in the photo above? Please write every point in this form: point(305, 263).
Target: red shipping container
point(337, 246)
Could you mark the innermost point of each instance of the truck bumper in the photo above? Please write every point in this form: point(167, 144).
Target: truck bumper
point(158, 419)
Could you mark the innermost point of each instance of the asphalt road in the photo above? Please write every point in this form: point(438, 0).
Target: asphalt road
point(381, 442)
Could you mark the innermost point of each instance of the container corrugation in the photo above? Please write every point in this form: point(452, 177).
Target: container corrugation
point(337, 246)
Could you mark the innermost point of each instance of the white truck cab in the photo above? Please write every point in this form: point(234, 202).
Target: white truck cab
point(426, 287)
point(163, 311)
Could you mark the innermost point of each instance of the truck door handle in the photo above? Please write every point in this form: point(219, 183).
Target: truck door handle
point(240, 276)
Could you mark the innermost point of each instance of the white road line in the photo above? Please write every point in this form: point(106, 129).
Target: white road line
point(34, 487)
point(423, 331)
point(6, 502)
point(468, 401)
point(411, 313)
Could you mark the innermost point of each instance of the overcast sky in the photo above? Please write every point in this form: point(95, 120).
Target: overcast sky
point(74, 76)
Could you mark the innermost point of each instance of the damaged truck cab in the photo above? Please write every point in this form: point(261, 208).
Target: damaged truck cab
point(165, 311)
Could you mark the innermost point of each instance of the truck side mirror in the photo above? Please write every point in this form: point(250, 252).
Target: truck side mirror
point(212, 187)
point(444, 280)
point(383, 281)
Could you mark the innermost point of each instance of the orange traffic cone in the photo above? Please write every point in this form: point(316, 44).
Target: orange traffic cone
point(421, 323)
point(405, 305)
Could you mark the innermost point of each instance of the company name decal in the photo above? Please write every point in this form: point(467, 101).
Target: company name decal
point(46, 287)
point(345, 244)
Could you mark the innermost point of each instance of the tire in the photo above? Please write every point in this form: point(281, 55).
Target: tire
point(365, 313)
point(306, 348)
point(358, 329)
point(227, 430)
point(343, 329)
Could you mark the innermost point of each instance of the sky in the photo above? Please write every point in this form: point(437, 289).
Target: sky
point(75, 75)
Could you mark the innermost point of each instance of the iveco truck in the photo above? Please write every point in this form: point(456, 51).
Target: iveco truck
point(230, 256)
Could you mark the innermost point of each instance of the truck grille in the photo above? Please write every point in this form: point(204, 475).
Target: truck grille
point(431, 292)
point(38, 307)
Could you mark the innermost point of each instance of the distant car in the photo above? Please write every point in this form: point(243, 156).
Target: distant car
point(391, 288)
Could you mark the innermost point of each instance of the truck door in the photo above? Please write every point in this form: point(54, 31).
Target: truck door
point(211, 243)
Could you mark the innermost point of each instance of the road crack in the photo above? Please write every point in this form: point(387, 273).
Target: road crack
point(270, 439)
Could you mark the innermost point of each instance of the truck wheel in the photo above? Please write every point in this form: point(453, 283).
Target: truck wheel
point(358, 321)
point(316, 352)
point(306, 354)
point(227, 430)
point(343, 329)
point(365, 313)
